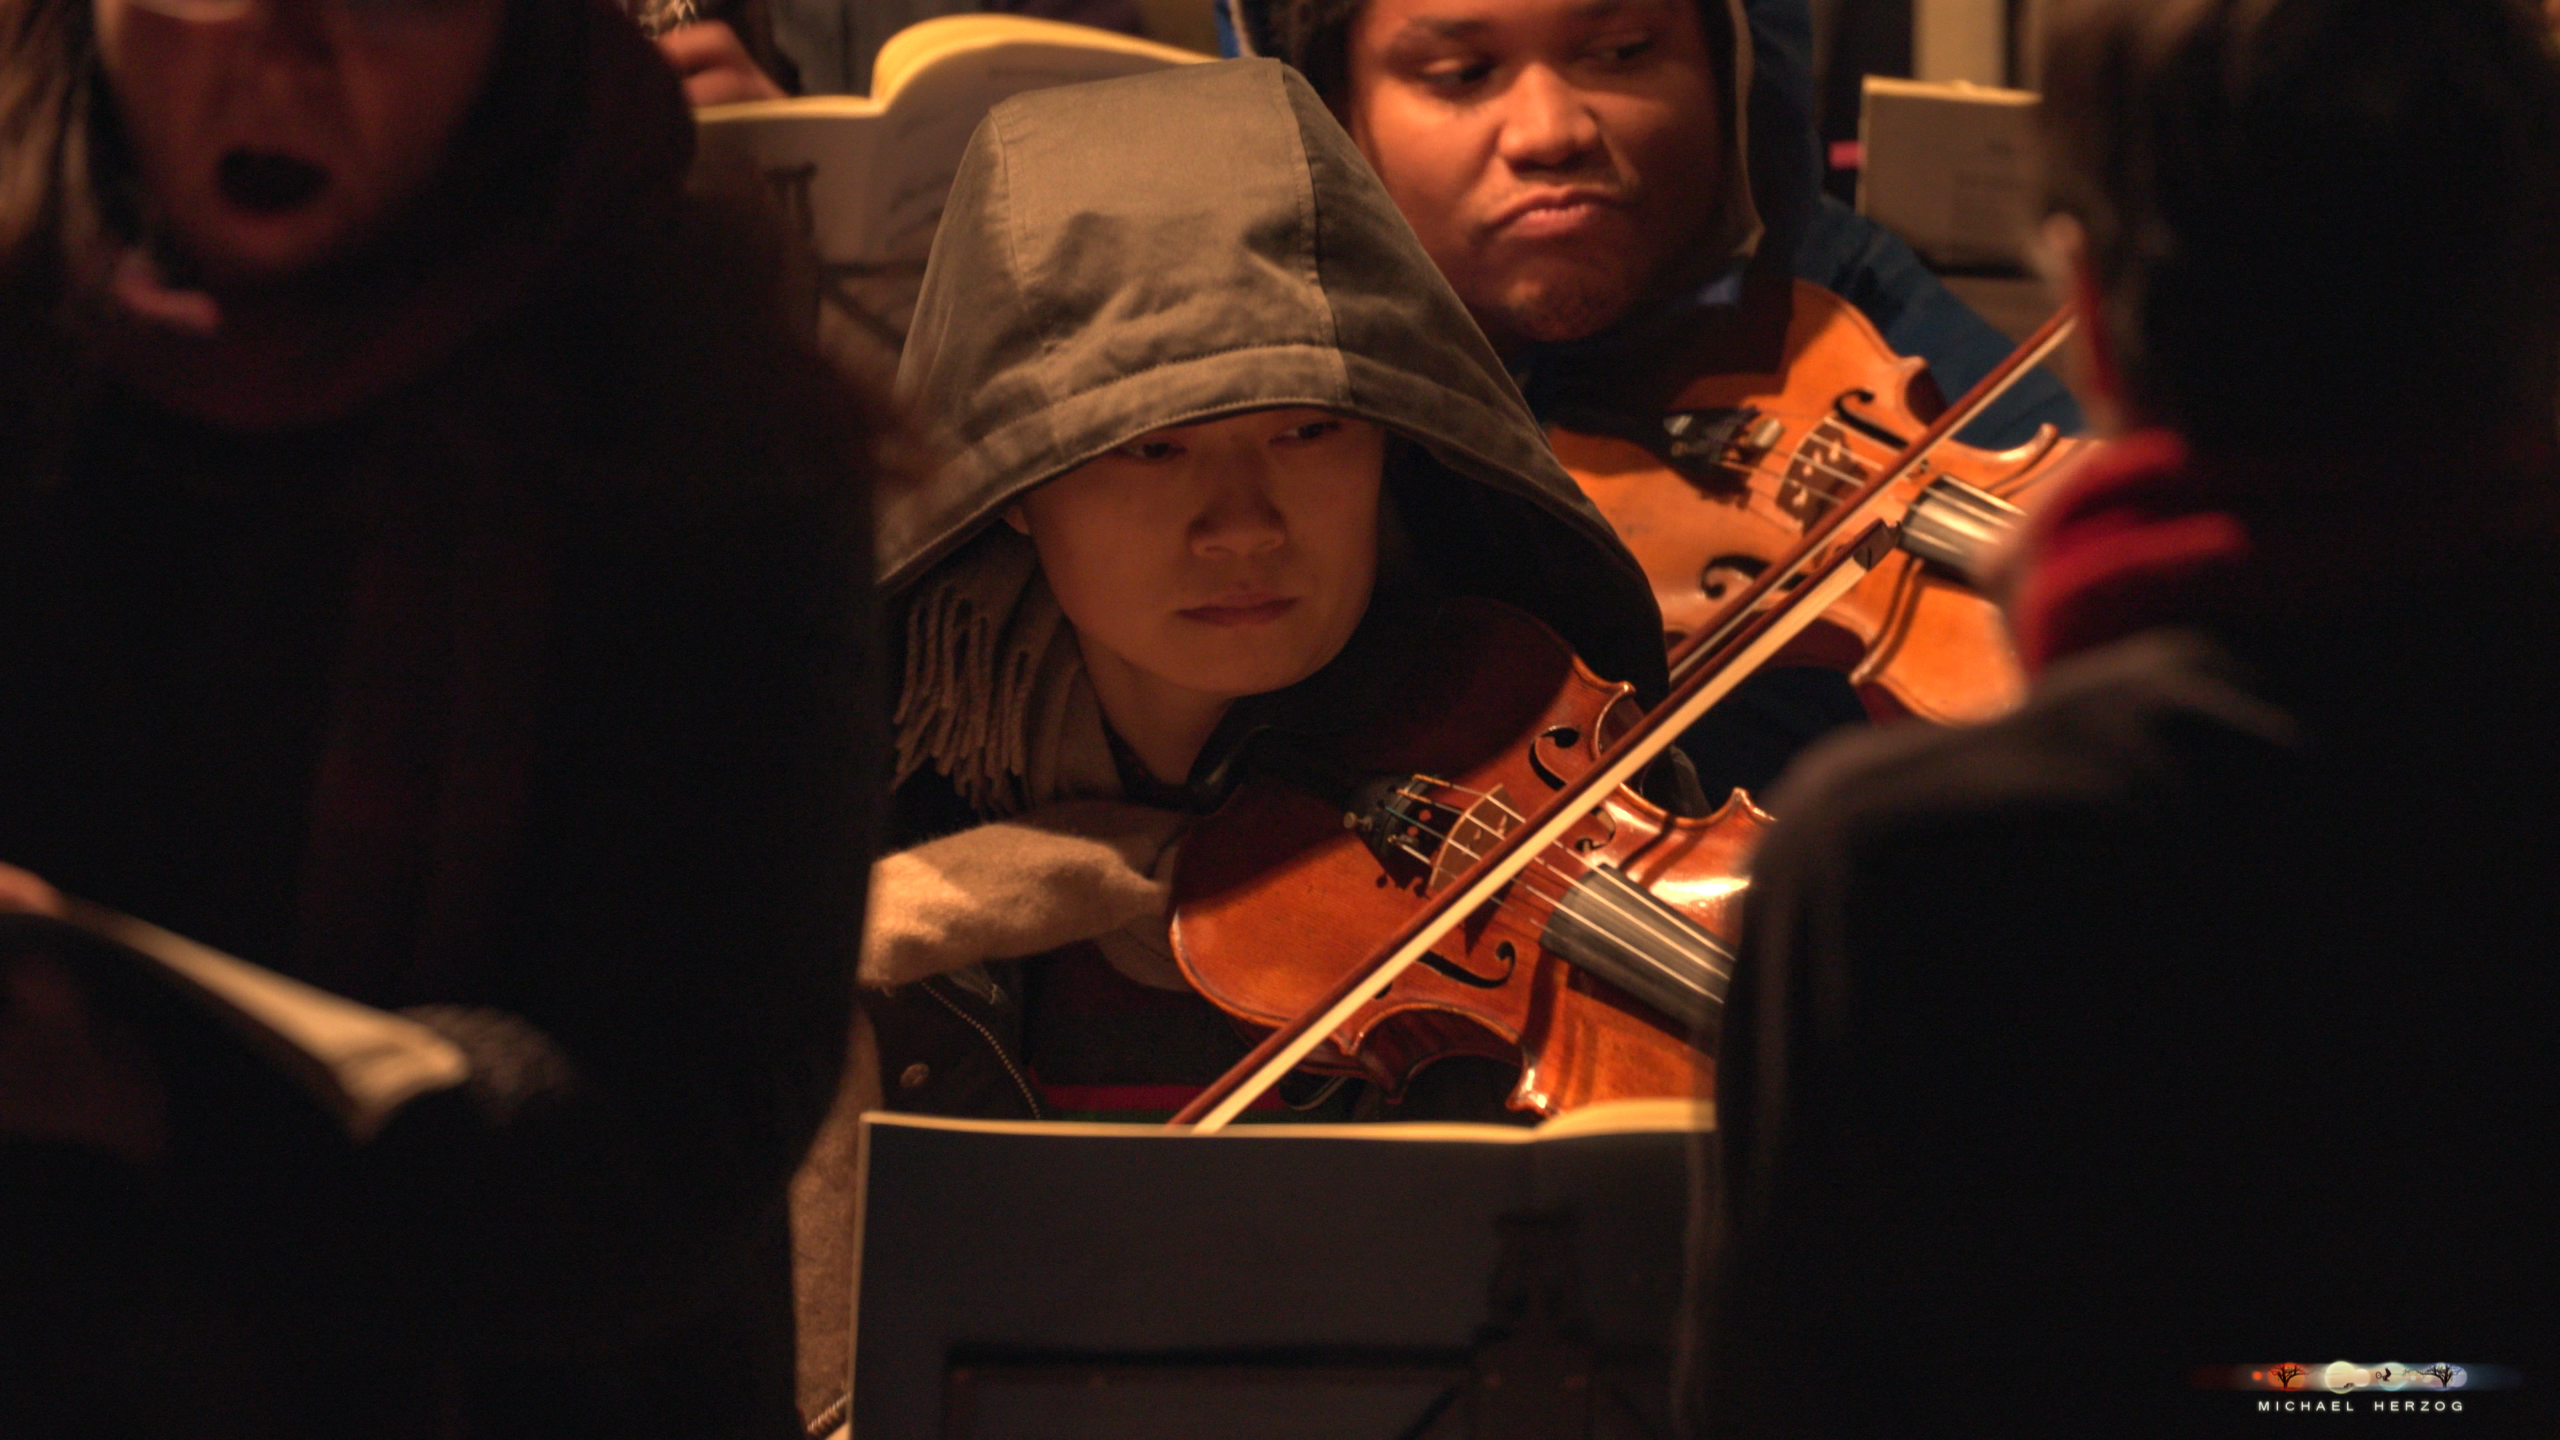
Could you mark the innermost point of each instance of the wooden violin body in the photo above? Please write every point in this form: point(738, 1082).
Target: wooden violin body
point(1728, 479)
point(1291, 881)
point(1465, 868)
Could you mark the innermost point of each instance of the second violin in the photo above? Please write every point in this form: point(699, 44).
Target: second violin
point(1713, 491)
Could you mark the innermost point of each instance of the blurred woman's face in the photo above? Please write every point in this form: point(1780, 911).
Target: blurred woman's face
point(280, 133)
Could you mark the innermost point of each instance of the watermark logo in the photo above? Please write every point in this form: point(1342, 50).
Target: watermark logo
point(2344, 1385)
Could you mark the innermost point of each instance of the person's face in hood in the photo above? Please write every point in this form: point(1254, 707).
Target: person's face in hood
point(1203, 563)
point(272, 135)
point(1554, 156)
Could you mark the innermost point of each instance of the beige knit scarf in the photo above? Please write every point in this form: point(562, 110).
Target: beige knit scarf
point(995, 694)
point(996, 699)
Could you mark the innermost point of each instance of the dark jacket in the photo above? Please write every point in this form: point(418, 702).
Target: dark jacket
point(1228, 250)
point(2186, 1022)
point(528, 693)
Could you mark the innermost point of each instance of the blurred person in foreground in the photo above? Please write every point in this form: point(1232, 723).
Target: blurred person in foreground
point(2186, 1023)
point(429, 567)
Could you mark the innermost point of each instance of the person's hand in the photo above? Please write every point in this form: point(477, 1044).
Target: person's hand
point(715, 65)
point(67, 1075)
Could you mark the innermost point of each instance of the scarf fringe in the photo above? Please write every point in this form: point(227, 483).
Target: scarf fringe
point(991, 664)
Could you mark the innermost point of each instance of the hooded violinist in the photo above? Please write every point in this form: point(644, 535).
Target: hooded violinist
point(1220, 440)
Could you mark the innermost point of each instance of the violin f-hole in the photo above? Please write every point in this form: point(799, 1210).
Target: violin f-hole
point(1726, 576)
point(1860, 423)
point(1503, 950)
point(1563, 737)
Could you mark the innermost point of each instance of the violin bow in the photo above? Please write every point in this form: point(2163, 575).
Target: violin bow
point(1283, 1049)
point(1708, 668)
point(1711, 638)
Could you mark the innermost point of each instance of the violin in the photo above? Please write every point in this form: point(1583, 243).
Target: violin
point(1711, 492)
point(1535, 906)
point(1594, 972)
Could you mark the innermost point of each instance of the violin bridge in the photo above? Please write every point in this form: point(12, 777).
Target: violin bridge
point(1824, 469)
point(1403, 822)
point(1478, 829)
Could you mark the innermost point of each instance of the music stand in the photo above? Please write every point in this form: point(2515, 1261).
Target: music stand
point(1060, 1282)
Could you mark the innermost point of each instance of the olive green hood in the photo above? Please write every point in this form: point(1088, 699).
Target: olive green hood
point(1118, 257)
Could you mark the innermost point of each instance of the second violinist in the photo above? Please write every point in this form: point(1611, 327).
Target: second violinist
point(1622, 191)
point(1220, 440)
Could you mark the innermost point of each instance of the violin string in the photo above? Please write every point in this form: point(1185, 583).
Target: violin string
point(1812, 426)
point(1637, 918)
point(1599, 900)
point(1449, 839)
point(1847, 481)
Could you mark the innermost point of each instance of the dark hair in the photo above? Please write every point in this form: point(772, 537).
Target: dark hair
point(2316, 220)
point(48, 61)
point(1313, 37)
point(48, 89)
